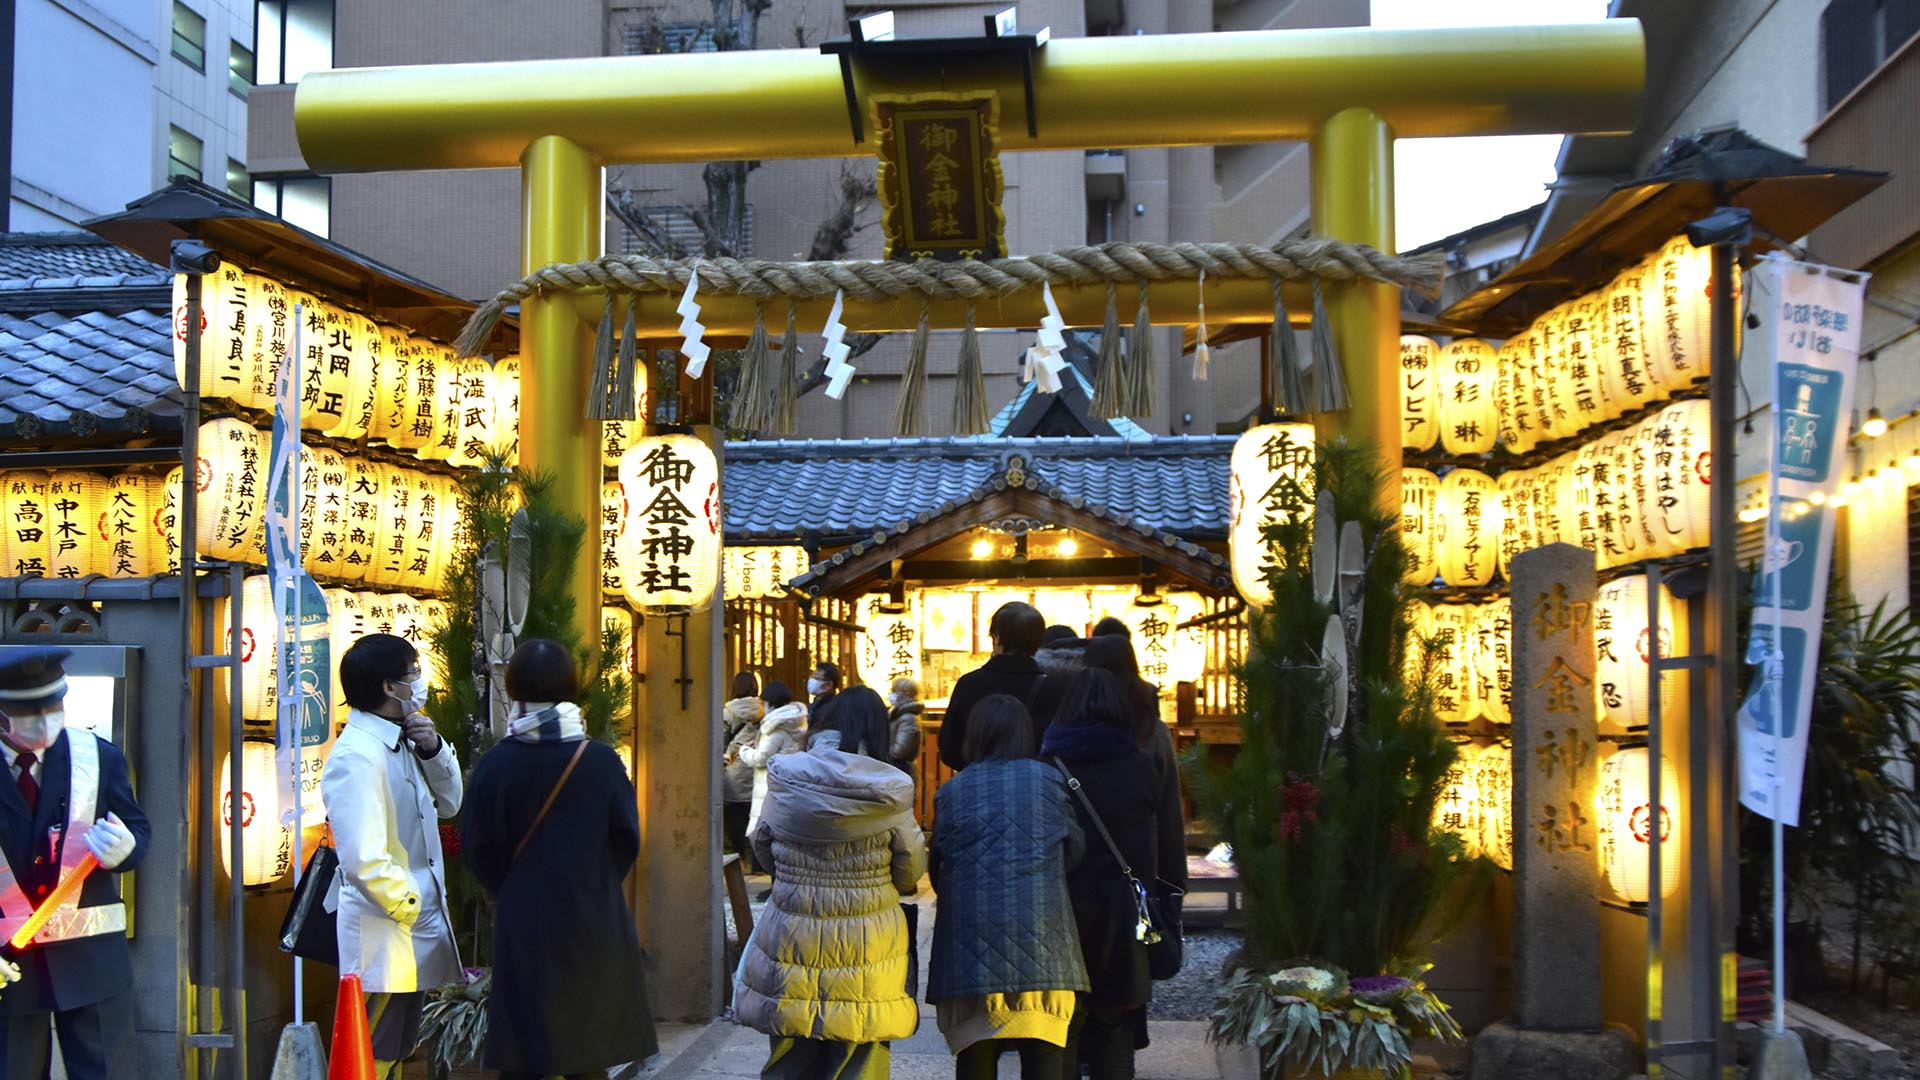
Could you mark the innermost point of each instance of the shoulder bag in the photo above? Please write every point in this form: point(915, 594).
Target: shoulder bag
point(309, 930)
point(1156, 918)
point(548, 805)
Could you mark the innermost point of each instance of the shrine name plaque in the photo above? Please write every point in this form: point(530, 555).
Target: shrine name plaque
point(939, 178)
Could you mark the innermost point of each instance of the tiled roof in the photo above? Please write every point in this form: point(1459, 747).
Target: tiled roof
point(66, 260)
point(80, 376)
point(851, 489)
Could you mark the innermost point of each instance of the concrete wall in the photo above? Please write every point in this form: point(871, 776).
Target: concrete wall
point(1754, 63)
point(83, 110)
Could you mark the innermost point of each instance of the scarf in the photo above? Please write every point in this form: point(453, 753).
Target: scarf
point(1086, 742)
point(539, 722)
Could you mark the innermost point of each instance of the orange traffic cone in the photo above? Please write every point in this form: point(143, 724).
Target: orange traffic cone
point(351, 1057)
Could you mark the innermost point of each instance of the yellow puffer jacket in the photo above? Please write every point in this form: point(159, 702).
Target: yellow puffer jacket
point(828, 958)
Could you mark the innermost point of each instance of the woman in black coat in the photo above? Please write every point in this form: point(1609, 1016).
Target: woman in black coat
point(1093, 738)
point(569, 984)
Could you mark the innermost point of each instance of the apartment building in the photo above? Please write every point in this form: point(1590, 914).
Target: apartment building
point(460, 230)
point(111, 98)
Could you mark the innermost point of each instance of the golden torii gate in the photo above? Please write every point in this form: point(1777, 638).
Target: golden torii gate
point(1348, 92)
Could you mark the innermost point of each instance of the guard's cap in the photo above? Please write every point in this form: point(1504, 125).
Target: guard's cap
point(33, 678)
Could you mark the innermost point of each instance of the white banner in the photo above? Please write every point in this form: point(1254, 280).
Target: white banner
point(1809, 334)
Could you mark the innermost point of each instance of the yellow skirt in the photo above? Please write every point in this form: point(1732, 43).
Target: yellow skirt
point(1035, 1014)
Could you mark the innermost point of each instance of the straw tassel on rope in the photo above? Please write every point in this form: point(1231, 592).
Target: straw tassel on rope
point(1106, 379)
point(1136, 381)
point(1329, 378)
point(906, 415)
point(622, 407)
point(1288, 389)
point(1200, 352)
point(599, 388)
point(788, 386)
point(753, 396)
point(970, 389)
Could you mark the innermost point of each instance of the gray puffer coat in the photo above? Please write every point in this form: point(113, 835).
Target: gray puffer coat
point(828, 959)
point(1004, 834)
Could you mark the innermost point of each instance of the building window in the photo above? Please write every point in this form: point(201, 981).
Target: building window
point(239, 69)
point(291, 38)
point(189, 36)
point(305, 201)
point(1856, 37)
point(239, 181)
point(677, 225)
point(183, 154)
point(653, 37)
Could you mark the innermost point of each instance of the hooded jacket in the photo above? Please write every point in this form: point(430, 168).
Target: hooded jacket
point(828, 958)
point(739, 727)
point(782, 731)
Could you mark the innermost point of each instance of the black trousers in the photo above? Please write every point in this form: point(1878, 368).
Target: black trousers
point(93, 1039)
point(1103, 1041)
point(1038, 1060)
point(733, 820)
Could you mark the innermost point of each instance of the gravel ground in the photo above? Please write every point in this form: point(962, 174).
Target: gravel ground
point(1895, 1026)
point(1189, 995)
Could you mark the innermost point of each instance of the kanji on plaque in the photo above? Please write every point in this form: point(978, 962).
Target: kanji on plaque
point(939, 178)
point(670, 548)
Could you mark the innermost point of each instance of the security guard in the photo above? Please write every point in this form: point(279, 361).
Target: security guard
point(66, 794)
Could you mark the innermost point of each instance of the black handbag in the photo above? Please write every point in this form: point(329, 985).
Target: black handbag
point(912, 912)
point(1156, 915)
point(309, 930)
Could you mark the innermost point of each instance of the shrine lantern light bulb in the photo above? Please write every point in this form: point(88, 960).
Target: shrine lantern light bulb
point(1067, 548)
point(1875, 424)
point(982, 548)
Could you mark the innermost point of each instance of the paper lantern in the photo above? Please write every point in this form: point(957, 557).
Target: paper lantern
point(1516, 516)
point(128, 540)
point(1419, 392)
point(448, 399)
point(1419, 503)
point(1592, 463)
point(1419, 629)
point(24, 505)
point(1577, 339)
point(229, 332)
point(273, 319)
point(259, 693)
point(672, 558)
point(399, 391)
point(334, 342)
point(76, 500)
point(1553, 384)
point(323, 509)
point(618, 620)
point(376, 611)
point(1678, 295)
point(1553, 502)
point(231, 486)
point(1513, 395)
point(890, 648)
point(1623, 645)
point(613, 524)
point(1493, 659)
point(617, 436)
point(266, 843)
point(426, 361)
point(167, 524)
point(455, 540)
point(391, 549)
point(1627, 538)
point(475, 401)
point(1622, 344)
point(1166, 654)
point(1457, 810)
point(1467, 540)
point(424, 554)
point(1492, 771)
point(364, 388)
point(346, 624)
point(1469, 412)
point(1683, 476)
point(506, 417)
point(1626, 819)
point(1272, 480)
point(365, 492)
point(761, 572)
point(410, 622)
point(1453, 674)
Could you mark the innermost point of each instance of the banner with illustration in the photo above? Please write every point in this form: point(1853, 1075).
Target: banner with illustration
point(1808, 337)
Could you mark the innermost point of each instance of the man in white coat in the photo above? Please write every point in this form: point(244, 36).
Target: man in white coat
point(388, 779)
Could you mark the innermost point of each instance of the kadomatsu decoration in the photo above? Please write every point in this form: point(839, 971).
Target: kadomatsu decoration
point(1329, 805)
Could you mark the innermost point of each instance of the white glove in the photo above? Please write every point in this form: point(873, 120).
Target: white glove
point(110, 841)
point(9, 973)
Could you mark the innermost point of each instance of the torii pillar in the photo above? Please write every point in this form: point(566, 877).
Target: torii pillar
point(1349, 92)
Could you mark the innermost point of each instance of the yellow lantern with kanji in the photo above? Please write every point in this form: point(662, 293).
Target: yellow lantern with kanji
point(231, 486)
point(1469, 412)
point(1516, 515)
point(1454, 699)
point(890, 648)
point(1683, 476)
point(365, 391)
point(613, 524)
point(1187, 661)
point(410, 623)
point(1419, 503)
point(167, 526)
point(1457, 810)
point(1583, 513)
point(346, 624)
point(128, 539)
point(396, 526)
point(444, 437)
point(474, 390)
point(1165, 653)
point(506, 417)
point(1621, 341)
point(1492, 771)
point(76, 499)
point(617, 436)
point(259, 693)
point(376, 612)
point(1467, 538)
point(266, 843)
point(1493, 659)
point(1629, 539)
point(1271, 480)
point(1546, 351)
point(28, 519)
point(326, 363)
point(1627, 819)
point(1513, 395)
point(423, 532)
point(672, 550)
point(1589, 397)
point(323, 509)
point(618, 620)
point(229, 331)
point(1419, 392)
point(1623, 647)
point(1677, 297)
point(348, 371)
point(365, 491)
point(399, 391)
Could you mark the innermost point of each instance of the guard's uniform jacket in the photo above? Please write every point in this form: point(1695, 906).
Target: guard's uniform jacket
point(80, 957)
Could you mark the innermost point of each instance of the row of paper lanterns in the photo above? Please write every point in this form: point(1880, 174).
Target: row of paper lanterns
point(359, 379)
point(1640, 492)
point(1619, 349)
point(1473, 667)
point(1476, 804)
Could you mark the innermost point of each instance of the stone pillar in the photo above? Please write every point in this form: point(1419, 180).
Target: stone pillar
point(679, 773)
point(1555, 768)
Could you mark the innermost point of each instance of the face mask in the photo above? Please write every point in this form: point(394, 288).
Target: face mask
point(36, 731)
point(816, 687)
point(900, 698)
point(416, 693)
